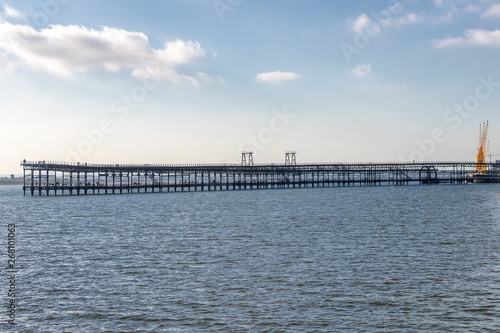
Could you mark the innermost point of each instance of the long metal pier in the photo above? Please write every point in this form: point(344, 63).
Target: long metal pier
point(56, 178)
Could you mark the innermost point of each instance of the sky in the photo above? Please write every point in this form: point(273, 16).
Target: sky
point(199, 81)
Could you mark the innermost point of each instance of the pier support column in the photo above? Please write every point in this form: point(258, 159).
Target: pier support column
point(32, 183)
point(47, 186)
point(24, 180)
point(39, 182)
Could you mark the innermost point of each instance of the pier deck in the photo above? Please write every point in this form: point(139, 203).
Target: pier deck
point(56, 178)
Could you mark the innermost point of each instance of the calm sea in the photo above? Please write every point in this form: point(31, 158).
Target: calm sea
point(377, 259)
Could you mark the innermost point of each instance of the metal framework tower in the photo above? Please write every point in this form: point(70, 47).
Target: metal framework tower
point(290, 158)
point(247, 158)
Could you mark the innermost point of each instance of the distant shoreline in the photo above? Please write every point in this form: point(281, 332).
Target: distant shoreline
point(15, 182)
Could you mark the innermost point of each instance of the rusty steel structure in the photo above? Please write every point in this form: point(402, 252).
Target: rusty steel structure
point(57, 178)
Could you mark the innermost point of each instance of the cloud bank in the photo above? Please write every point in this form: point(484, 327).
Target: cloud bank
point(66, 50)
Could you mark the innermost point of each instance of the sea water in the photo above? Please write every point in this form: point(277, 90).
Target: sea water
point(371, 259)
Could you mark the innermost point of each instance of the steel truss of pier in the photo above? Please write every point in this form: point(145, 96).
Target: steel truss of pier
point(55, 178)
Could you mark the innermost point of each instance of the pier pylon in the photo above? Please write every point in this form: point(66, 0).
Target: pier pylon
point(247, 158)
point(290, 158)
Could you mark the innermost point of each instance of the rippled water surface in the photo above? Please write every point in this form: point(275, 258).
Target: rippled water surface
point(379, 259)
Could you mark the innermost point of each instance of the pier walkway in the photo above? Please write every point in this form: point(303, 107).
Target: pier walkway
point(56, 178)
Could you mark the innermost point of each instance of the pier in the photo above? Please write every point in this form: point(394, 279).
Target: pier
point(44, 178)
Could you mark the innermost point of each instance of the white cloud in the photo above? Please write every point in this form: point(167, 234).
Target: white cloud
point(411, 18)
point(365, 24)
point(472, 37)
point(371, 25)
point(11, 12)
point(447, 18)
point(65, 50)
point(361, 22)
point(275, 77)
point(493, 11)
point(205, 78)
point(416, 18)
point(361, 71)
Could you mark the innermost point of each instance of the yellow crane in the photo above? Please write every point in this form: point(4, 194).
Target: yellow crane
point(483, 148)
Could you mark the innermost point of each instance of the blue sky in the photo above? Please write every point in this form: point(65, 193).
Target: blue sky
point(197, 81)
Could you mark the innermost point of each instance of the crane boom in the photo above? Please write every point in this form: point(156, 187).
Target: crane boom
point(483, 147)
